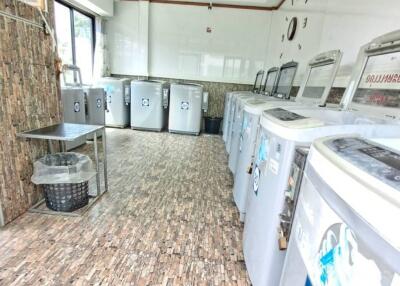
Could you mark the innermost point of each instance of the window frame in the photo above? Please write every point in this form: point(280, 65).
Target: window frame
point(71, 14)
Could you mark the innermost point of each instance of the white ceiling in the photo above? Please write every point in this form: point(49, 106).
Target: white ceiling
point(262, 3)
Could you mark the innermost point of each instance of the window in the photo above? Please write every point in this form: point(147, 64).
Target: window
point(75, 38)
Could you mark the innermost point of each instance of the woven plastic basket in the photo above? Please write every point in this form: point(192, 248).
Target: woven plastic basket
point(66, 197)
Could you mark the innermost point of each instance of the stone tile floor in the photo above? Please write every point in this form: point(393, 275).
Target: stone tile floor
point(168, 219)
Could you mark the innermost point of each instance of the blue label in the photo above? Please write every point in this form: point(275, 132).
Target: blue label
point(262, 150)
point(308, 282)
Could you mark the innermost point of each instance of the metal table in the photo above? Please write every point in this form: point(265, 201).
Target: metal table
point(69, 132)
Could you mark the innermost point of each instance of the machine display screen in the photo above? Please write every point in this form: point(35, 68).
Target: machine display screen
point(270, 81)
point(285, 81)
point(379, 162)
point(387, 157)
point(380, 81)
point(284, 115)
point(317, 81)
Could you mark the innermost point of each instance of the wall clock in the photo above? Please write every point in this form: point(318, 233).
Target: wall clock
point(291, 32)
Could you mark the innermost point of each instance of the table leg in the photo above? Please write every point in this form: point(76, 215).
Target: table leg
point(104, 141)
point(96, 157)
point(62, 146)
point(50, 144)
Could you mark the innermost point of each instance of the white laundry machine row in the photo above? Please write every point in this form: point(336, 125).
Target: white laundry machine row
point(257, 88)
point(231, 115)
point(187, 103)
point(118, 97)
point(285, 78)
point(373, 111)
point(271, 76)
point(314, 91)
point(344, 230)
point(149, 104)
point(237, 120)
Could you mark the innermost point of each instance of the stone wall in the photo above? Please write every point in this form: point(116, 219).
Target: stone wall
point(29, 98)
point(216, 91)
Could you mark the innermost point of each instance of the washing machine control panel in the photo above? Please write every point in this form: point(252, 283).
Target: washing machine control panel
point(291, 194)
point(284, 115)
point(377, 161)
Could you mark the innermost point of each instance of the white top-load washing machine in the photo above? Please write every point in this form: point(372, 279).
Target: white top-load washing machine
point(285, 78)
point(257, 87)
point(312, 92)
point(345, 230)
point(373, 112)
point(73, 101)
point(118, 97)
point(187, 103)
point(149, 104)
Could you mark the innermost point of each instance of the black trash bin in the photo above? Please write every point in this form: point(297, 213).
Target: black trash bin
point(65, 180)
point(212, 124)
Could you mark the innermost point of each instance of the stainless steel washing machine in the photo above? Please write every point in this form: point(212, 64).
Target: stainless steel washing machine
point(149, 104)
point(118, 97)
point(95, 106)
point(73, 101)
point(186, 108)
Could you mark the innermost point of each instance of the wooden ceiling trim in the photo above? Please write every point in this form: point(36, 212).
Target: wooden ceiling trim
point(218, 5)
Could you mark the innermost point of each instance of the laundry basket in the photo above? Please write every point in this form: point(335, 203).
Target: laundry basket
point(65, 179)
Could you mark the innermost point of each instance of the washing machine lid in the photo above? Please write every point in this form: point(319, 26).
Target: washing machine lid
point(319, 77)
point(365, 176)
point(147, 81)
point(93, 89)
point(289, 119)
point(112, 80)
point(235, 93)
point(258, 81)
point(256, 105)
point(244, 97)
point(270, 81)
point(374, 86)
point(188, 84)
point(284, 82)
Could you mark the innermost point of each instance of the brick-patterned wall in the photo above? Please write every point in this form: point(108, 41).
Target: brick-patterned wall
point(29, 98)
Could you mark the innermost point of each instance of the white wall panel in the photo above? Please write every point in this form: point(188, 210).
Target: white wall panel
point(333, 24)
point(302, 48)
point(171, 40)
point(127, 34)
point(180, 47)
